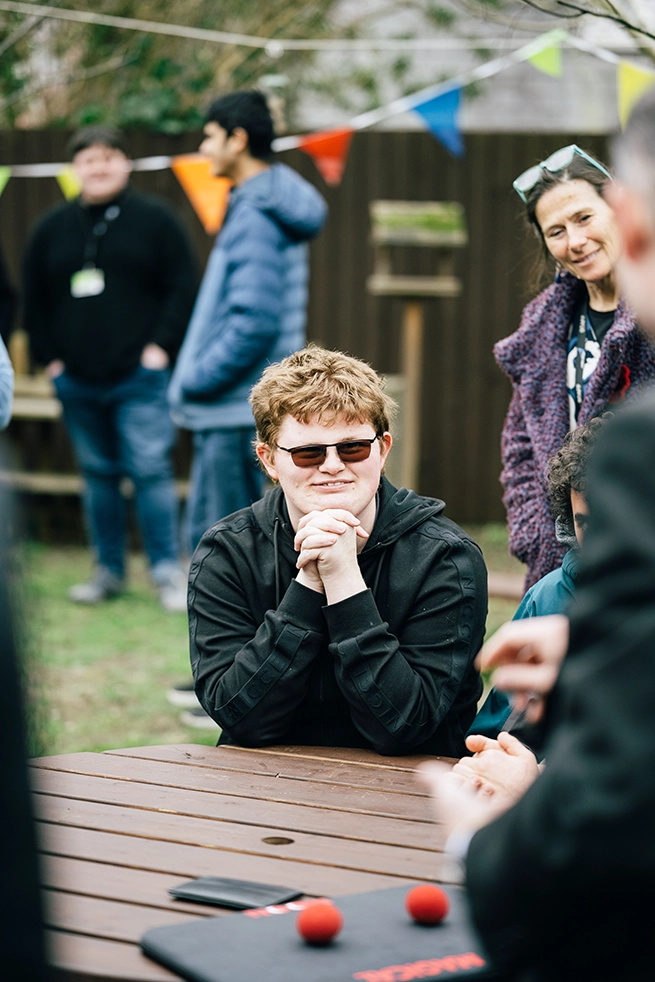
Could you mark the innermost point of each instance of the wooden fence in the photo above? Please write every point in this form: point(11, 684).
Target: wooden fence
point(465, 396)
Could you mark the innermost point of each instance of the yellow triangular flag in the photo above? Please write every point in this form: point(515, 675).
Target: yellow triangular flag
point(5, 174)
point(208, 194)
point(69, 183)
point(548, 60)
point(631, 82)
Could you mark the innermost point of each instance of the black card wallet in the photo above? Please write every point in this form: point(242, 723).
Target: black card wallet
point(239, 894)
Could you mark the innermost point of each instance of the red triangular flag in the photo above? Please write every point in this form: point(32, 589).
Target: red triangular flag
point(328, 151)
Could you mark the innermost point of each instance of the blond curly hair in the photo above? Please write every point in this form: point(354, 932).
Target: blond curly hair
point(328, 385)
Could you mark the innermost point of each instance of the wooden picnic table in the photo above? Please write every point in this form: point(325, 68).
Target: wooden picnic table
point(118, 828)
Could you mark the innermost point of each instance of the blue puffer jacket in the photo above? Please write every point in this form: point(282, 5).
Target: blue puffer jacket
point(251, 307)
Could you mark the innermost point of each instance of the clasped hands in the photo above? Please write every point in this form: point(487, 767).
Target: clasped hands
point(327, 542)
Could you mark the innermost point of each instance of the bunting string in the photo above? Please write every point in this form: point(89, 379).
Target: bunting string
point(437, 105)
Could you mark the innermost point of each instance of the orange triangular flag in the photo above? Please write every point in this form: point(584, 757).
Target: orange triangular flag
point(208, 194)
point(328, 151)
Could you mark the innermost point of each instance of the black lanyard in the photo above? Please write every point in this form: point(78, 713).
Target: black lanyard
point(96, 232)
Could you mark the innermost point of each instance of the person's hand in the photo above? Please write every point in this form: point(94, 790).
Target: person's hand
point(458, 806)
point(503, 767)
point(154, 358)
point(327, 545)
point(526, 657)
point(55, 368)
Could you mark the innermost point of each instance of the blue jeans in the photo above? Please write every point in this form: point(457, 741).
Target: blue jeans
point(124, 429)
point(225, 476)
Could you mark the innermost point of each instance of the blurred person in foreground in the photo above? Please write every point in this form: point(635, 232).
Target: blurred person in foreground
point(561, 885)
point(577, 351)
point(22, 947)
point(7, 309)
point(109, 285)
point(6, 386)
point(338, 610)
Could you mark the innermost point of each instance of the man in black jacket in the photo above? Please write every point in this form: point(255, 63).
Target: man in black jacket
point(109, 286)
point(562, 884)
point(337, 611)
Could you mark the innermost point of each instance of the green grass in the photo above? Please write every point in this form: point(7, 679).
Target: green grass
point(98, 676)
point(492, 539)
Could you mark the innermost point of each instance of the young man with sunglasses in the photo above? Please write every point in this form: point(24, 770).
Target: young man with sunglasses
point(338, 610)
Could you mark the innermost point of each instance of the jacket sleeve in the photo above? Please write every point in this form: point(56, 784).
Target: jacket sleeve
point(6, 386)
point(178, 282)
point(524, 492)
point(250, 316)
point(7, 302)
point(583, 833)
point(400, 689)
point(250, 676)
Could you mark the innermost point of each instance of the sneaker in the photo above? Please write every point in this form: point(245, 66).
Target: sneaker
point(183, 695)
point(171, 582)
point(199, 719)
point(102, 586)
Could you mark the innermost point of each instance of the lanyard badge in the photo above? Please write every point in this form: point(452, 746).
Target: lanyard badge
point(90, 281)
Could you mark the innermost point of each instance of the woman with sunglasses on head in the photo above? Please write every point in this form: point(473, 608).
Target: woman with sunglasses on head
point(577, 351)
point(338, 610)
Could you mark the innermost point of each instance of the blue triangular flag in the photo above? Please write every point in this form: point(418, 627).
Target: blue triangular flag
point(440, 114)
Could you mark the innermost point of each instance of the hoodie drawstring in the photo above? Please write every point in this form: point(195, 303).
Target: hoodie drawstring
point(276, 560)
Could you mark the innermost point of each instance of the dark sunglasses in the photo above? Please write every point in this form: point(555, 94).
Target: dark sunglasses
point(350, 452)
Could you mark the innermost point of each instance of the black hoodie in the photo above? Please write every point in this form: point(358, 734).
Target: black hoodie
point(390, 668)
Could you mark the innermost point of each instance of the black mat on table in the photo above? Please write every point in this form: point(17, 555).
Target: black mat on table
point(378, 943)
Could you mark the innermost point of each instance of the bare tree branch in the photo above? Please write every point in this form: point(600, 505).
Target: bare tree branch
point(633, 28)
point(23, 30)
point(553, 13)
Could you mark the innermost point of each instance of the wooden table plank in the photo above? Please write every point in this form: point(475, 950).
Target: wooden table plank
point(252, 840)
point(82, 959)
point(287, 765)
point(107, 919)
point(285, 816)
point(98, 879)
point(343, 755)
point(268, 788)
point(189, 861)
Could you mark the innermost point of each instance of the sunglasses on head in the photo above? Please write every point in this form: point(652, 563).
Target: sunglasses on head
point(313, 455)
point(557, 161)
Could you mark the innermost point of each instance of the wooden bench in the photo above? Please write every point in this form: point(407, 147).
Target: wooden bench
point(35, 400)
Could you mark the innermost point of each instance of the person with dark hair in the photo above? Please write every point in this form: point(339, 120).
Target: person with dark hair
point(567, 493)
point(109, 285)
point(567, 484)
point(561, 884)
point(248, 111)
point(578, 348)
point(251, 308)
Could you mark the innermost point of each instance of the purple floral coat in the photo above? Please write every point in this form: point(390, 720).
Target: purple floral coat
point(534, 358)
